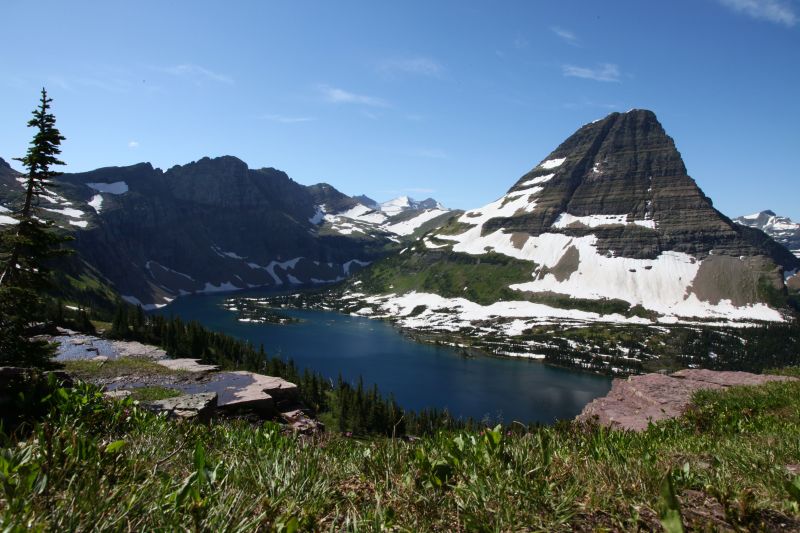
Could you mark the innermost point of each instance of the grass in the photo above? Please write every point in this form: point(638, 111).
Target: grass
point(153, 393)
point(124, 366)
point(97, 465)
point(482, 280)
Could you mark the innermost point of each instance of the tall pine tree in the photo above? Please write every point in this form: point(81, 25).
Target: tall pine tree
point(27, 248)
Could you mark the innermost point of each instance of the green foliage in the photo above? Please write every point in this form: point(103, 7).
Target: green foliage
point(771, 295)
point(669, 507)
point(93, 464)
point(483, 279)
point(153, 393)
point(26, 250)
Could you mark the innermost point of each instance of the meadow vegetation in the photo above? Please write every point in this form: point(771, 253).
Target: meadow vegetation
point(87, 463)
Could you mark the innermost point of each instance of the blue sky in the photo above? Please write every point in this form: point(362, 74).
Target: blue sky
point(451, 99)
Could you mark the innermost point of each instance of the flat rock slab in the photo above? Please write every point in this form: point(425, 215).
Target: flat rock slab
point(75, 346)
point(199, 406)
point(246, 390)
point(137, 349)
point(635, 402)
point(186, 365)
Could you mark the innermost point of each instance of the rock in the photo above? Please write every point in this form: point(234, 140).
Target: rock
point(117, 394)
point(137, 349)
point(249, 391)
point(190, 406)
point(635, 402)
point(728, 378)
point(187, 365)
point(302, 423)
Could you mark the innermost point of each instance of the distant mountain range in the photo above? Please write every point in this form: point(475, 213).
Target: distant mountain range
point(781, 229)
point(608, 227)
point(215, 225)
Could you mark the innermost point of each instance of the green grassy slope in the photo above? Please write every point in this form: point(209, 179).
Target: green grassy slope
point(732, 462)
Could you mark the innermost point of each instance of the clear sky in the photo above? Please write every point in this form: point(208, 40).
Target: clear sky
point(450, 99)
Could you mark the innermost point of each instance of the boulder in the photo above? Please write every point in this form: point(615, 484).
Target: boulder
point(300, 422)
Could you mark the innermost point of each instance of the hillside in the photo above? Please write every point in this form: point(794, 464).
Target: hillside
point(730, 463)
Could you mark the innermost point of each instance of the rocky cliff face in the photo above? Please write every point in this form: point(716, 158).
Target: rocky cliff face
point(213, 225)
point(612, 215)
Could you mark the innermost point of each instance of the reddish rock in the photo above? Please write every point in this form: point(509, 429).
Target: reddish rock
point(634, 402)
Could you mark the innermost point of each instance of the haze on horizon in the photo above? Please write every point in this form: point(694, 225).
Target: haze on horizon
point(454, 100)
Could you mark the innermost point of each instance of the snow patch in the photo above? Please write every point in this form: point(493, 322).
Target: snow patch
point(222, 287)
point(319, 215)
point(552, 163)
point(537, 180)
point(67, 211)
point(349, 264)
point(407, 227)
point(96, 203)
point(396, 205)
point(564, 220)
point(148, 264)
point(133, 300)
point(231, 255)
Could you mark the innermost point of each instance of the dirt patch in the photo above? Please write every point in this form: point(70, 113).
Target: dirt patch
point(701, 512)
point(732, 278)
point(518, 239)
point(794, 282)
point(567, 265)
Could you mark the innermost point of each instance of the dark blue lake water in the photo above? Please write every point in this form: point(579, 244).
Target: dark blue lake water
point(419, 375)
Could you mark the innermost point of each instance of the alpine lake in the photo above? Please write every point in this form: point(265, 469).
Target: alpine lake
point(420, 376)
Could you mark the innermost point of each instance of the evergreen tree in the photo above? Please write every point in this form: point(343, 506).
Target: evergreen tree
point(27, 247)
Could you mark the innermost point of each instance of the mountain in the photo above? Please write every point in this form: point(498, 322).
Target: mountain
point(398, 219)
point(214, 225)
point(402, 204)
point(608, 227)
point(367, 201)
point(781, 229)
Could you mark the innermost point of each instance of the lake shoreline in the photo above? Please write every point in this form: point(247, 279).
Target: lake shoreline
point(420, 374)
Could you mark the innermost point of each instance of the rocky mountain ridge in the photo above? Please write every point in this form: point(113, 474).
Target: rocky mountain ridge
point(214, 225)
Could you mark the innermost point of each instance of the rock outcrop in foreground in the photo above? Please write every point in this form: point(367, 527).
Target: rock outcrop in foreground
point(205, 391)
point(635, 402)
